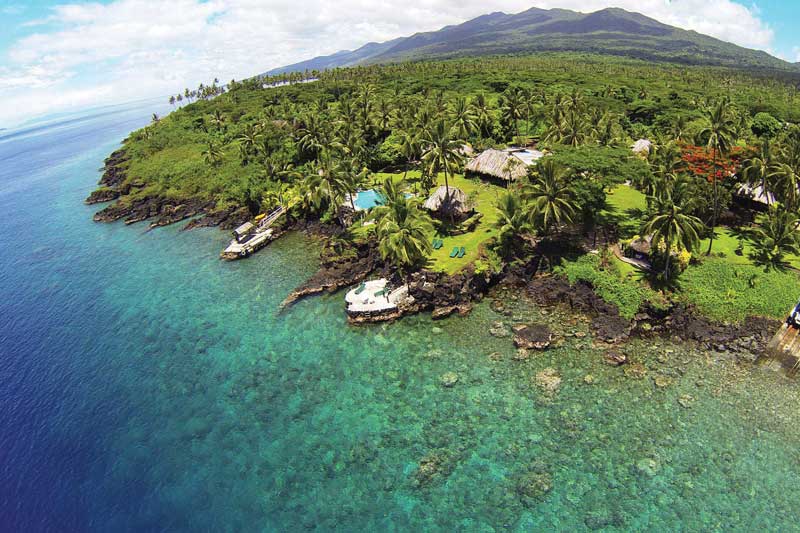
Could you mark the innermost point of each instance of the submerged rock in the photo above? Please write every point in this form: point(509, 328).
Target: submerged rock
point(647, 466)
point(635, 371)
point(615, 358)
point(533, 337)
point(549, 380)
point(499, 330)
point(448, 379)
point(434, 465)
point(534, 484)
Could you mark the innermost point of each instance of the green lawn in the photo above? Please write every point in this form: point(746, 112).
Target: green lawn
point(483, 194)
point(726, 242)
point(626, 206)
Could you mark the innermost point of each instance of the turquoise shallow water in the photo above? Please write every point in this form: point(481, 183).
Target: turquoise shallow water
point(147, 385)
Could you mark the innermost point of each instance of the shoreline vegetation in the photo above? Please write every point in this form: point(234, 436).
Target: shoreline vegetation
point(666, 199)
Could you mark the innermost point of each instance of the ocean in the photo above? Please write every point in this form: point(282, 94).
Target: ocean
point(145, 385)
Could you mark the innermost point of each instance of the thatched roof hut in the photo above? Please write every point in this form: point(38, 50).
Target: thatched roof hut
point(641, 246)
point(642, 147)
point(455, 203)
point(756, 194)
point(498, 164)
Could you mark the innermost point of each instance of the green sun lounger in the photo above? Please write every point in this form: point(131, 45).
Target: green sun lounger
point(382, 292)
point(361, 288)
point(454, 252)
point(462, 252)
point(439, 244)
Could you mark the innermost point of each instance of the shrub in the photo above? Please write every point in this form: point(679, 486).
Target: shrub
point(627, 295)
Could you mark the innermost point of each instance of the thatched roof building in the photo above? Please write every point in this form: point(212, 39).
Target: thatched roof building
point(455, 203)
point(503, 165)
point(642, 147)
point(756, 194)
point(640, 247)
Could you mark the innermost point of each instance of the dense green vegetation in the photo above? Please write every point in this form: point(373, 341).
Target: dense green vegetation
point(310, 146)
point(628, 295)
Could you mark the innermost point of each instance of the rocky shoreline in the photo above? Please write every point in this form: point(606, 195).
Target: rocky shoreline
point(114, 186)
point(440, 294)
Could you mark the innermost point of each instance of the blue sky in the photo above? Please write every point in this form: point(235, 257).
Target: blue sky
point(60, 55)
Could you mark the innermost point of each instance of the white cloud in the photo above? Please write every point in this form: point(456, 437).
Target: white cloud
point(139, 48)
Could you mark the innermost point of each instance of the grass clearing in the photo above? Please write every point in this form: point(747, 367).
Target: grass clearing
point(484, 195)
point(730, 292)
point(626, 207)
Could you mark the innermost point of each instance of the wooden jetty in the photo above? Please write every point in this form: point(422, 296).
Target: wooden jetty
point(785, 346)
point(249, 238)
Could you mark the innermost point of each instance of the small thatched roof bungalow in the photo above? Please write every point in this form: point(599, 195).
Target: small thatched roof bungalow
point(455, 203)
point(499, 164)
point(640, 248)
point(757, 195)
point(642, 147)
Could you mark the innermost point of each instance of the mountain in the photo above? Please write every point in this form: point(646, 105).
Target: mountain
point(609, 31)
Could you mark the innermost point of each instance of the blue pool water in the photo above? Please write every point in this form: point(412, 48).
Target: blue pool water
point(368, 199)
point(147, 386)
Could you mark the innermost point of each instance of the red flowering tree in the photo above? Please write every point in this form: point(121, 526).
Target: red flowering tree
point(699, 161)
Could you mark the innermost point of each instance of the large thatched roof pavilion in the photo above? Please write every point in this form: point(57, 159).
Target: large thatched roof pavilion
point(503, 165)
point(452, 204)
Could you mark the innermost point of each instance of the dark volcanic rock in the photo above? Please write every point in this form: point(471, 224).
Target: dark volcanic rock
point(533, 337)
point(102, 195)
point(607, 323)
point(347, 270)
point(114, 169)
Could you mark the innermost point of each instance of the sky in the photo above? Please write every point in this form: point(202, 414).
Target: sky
point(58, 55)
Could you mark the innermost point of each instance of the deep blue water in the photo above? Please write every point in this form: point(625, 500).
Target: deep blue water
point(145, 385)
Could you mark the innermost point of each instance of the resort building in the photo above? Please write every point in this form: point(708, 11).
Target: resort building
point(452, 204)
point(503, 166)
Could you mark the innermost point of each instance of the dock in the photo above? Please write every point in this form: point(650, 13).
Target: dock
point(249, 238)
point(785, 346)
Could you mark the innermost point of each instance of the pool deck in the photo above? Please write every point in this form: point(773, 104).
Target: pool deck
point(366, 302)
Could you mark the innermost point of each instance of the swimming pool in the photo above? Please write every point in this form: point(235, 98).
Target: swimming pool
point(365, 200)
point(368, 199)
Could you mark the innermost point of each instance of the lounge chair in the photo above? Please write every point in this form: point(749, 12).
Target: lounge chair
point(439, 244)
point(361, 288)
point(381, 292)
point(454, 252)
point(462, 252)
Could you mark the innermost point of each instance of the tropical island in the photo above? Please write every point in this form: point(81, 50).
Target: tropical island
point(656, 194)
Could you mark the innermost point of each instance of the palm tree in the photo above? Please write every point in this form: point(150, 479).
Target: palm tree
point(442, 152)
point(463, 119)
point(218, 119)
point(512, 222)
point(409, 147)
point(756, 170)
point(213, 154)
point(248, 141)
point(775, 237)
point(787, 181)
point(511, 108)
point(482, 114)
point(719, 135)
point(573, 129)
point(671, 225)
point(402, 229)
point(550, 197)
